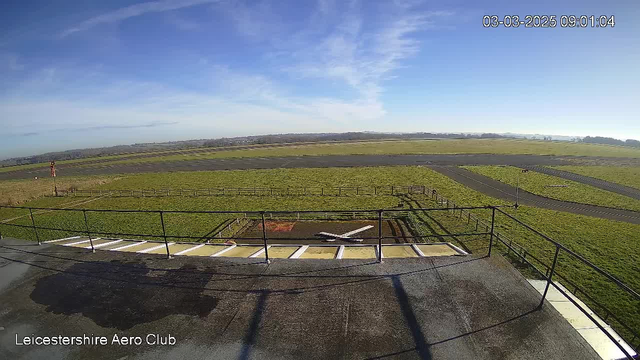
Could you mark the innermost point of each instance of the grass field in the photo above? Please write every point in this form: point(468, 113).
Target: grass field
point(538, 184)
point(15, 192)
point(624, 175)
point(614, 246)
point(440, 146)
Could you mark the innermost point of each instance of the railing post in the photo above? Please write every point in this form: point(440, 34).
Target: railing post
point(493, 220)
point(33, 223)
point(164, 234)
point(264, 238)
point(86, 225)
point(380, 236)
point(553, 269)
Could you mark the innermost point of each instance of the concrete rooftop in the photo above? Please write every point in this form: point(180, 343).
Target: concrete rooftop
point(459, 307)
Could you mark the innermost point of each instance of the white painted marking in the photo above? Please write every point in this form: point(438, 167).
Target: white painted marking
point(462, 252)
point(598, 340)
point(78, 242)
point(153, 248)
point(56, 240)
point(417, 250)
point(259, 252)
point(299, 252)
point(348, 234)
point(223, 251)
point(189, 249)
point(128, 246)
point(104, 244)
point(340, 252)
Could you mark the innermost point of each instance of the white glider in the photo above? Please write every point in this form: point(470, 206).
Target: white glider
point(346, 236)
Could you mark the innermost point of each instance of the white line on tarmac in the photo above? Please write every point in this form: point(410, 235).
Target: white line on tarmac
point(417, 250)
point(154, 248)
point(189, 249)
point(299, 252)
point(104, 244)
point(458, 249)
point(223, 251)
point(259, 252)
point(68, 238)
point(128, 246)
point(78, 242)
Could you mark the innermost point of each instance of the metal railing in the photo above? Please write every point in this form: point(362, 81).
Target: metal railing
point(482, 228)
point(550, 270)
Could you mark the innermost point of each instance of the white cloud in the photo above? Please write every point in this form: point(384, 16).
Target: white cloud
point(133, 11)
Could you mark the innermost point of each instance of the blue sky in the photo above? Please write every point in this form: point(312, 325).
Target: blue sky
point(97, 73)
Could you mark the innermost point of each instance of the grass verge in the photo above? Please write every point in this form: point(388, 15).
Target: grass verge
point(555, 187)
point(624, 175)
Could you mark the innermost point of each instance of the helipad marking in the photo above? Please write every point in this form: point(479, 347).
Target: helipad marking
point(154, 248)
point(299, 252)
point(417, 249)
point(189, 249)
point(259, 252)
point(68, 238)
point(223, 251)
point(340, 252)
point(104, 244)
point(128, 246)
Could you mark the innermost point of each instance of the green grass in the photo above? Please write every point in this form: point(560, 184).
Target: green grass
point(448, 146)
point(614, 246)
point(624, 175)
point(538, 184)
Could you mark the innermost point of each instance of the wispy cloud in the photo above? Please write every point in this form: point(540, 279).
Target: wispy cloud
point(96, 128)
point(133, 11)
point(359, 56)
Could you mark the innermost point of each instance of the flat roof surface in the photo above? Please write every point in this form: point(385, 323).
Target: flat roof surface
point(459, 307)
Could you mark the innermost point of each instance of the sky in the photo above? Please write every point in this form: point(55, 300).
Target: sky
point(96, 73)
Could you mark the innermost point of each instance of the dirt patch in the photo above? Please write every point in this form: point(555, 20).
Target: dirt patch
point(278, 226)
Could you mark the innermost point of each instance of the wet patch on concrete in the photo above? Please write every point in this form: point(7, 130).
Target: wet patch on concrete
point(123, 295)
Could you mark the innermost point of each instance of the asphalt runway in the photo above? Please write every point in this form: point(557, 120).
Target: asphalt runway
point(290, 162)
point(500, 190)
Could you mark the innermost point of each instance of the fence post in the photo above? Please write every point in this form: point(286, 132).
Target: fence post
point(33, 223)
point(264, 238)
point(164, 234)
point(553, 269)
point(86, 225)
point(380, 236)
point(391, 190)
point(493, 220)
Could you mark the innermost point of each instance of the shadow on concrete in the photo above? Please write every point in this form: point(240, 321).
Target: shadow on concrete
point(117, 304)
point(422, 347)
point(428, 345)
point(252, 332)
